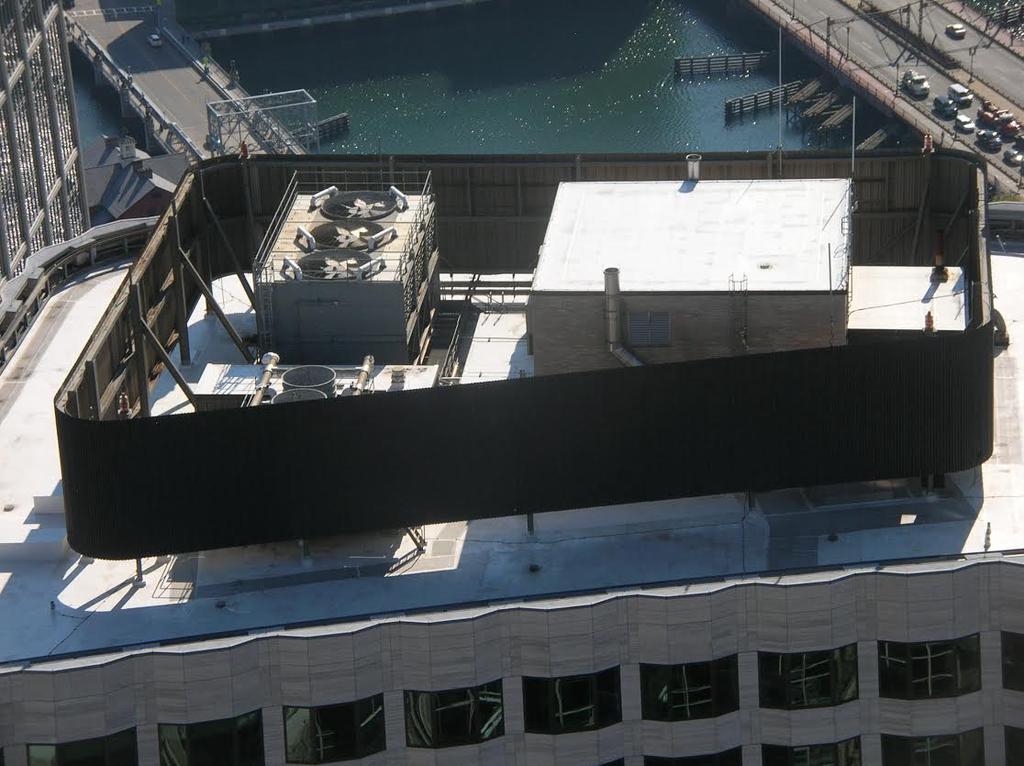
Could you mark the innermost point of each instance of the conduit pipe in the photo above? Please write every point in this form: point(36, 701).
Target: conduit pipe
point(269, 361)
point(363, 378)
point(613, 319)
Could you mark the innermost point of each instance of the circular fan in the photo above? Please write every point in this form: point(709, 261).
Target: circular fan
point(348, 234)
point(330, 264)
point(361, 205)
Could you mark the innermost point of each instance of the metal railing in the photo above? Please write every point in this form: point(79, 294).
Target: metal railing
point(23, 298)
point(123, 82)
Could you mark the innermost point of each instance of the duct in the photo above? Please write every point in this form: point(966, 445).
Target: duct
point(613, 320)
point(269, 360)
point(305, 240)
point(693, 167)
point(401, 199)
point(320, 196)
point(363, 378)
point(380, 238)
point(292, 267)
point(370, 269)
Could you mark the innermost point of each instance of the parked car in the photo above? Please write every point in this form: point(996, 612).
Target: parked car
point(986, 118)
point(155, 40)
point(989, 140)
point(1013, 158)
point(1009, 130)
point(956, 31)
point(960, 95)
point(964, 123)
point(1004, 115)
point(944, 107)
point(916, 84)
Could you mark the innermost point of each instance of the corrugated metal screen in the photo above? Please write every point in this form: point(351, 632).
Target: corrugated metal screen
point(649, 328)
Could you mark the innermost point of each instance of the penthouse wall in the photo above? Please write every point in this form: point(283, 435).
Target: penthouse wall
point(756, 422)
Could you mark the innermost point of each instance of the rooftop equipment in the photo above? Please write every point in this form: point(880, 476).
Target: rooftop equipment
point(365, 371)
point(298, 395)
point(310, 376)
point(269, 361)
point(613, 319)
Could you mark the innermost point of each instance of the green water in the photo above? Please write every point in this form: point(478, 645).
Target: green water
point(529, 76)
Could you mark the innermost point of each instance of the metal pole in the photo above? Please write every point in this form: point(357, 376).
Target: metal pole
point(780, 89)
point(853, 138)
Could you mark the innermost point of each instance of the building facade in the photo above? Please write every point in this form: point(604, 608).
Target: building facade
point(886, 666)
point(41, 191)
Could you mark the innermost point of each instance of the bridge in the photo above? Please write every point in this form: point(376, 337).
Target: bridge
point(172, 87)
point(869, 57)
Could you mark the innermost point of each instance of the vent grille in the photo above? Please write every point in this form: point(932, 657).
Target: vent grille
point(649, 328)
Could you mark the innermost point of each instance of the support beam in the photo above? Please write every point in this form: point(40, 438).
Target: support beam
point(138, 349)
point(212, 304)
point(180, 299)
point(161, 352)
point(239, 272)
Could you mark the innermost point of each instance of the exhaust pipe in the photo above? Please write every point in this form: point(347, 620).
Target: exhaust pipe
point(269, 361)
point(363, 378)
point(613, 319)
point(693, 167)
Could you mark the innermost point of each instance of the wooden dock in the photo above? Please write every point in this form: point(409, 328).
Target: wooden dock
point(837, 117)
point(765, 99)
point(332, 127)
point(738, 63)
point(873, 141)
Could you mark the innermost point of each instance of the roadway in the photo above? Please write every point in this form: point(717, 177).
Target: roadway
point(167, 77)
point(870, 47)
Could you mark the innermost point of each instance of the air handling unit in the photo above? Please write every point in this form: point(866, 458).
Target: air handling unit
point(348, 268)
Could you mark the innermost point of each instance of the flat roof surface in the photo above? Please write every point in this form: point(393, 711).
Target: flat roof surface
point(696, 236)
point(899, 297)
point(476, 565)
point(241, 379)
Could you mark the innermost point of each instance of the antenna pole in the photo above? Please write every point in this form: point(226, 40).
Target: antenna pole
point(780, 90)
point(853, 138)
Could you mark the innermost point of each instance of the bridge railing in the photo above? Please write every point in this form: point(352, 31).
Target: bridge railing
point(123, 81)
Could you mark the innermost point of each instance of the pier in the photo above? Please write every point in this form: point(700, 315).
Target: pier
point(737, 63)
point(765, 99)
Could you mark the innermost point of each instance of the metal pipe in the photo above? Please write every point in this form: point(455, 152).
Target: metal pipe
point(693, 167)
point(613, 319)
point(363, 378)
point(269, 361)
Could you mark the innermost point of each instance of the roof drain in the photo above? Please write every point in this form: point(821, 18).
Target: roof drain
point(613, 318)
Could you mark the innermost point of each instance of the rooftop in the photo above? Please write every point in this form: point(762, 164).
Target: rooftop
point(680, 236)
point(55, 602)
point(898, 297)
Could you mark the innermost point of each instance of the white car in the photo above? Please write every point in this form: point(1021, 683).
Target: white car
point(916, 84)
point(155, 40)
point(964, 123)
point(956, 31)
point(1012, 157)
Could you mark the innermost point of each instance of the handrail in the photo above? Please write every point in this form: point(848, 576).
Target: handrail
point(23, 298)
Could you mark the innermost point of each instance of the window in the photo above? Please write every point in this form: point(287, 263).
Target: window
point(1014, 745)
point(226, 742)
point(967, 749)
point(334, 732)
point(693, 690)
point(728, 758)
point(929, 669)
point(455, 717)
point(845, 753)
point(114, 750)
point(808, 679)
point(572, 703)
point(1013, 661)
point(649, 328)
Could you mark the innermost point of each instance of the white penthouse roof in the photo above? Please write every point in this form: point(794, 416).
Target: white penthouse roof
point(683, 236)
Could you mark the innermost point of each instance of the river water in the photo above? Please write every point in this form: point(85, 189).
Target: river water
point(526, 76)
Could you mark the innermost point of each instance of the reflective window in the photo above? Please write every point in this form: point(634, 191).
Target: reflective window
point(693, 690)
point(845, 753)
point(967, 749)
point(728, 758)
point(226, 742)
point(808, 679)
point(929, 669)
point(1014, 745)
point(572, 703)
point(1013, 661)
point(334, 732)
point(114, 750)
point(454, 717)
